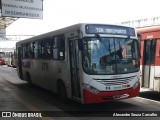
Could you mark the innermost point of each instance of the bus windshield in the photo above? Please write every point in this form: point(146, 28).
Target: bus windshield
point(110, 55)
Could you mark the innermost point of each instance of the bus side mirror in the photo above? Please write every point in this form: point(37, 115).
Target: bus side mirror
point(80, 44)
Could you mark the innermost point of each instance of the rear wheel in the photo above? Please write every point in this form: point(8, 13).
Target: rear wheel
point(62, 92)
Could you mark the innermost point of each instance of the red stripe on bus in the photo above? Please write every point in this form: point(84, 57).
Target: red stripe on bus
point(90, 97)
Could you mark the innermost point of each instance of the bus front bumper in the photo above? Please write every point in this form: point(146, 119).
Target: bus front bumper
point(90, 97)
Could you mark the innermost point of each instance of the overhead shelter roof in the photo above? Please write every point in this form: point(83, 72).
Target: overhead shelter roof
point(5, 21)
point(11, 10)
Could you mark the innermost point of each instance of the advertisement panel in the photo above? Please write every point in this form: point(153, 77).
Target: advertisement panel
point(22, 8)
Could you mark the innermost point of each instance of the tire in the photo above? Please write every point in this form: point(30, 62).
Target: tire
point(62, 92)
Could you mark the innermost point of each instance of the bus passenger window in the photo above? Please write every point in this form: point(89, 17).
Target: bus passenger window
point(55, 53)
point(31, 53)
point(55, 49)
point(58, 47)
point(36, 50)
point(26, 51)
point(61, 48)
point(46, 48)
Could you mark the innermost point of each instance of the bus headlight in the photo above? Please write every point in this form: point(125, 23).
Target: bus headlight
point(135, 85)
point(91, 89)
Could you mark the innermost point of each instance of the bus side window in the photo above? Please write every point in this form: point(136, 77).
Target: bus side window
point(36, 50)
point(61, 48)
point(55, 48)
point(58, 45)
point(31, 53)
point(25, 50)
point(46, 48)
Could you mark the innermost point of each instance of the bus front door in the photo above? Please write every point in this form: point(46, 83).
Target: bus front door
point(149, 63)
point(74, 69)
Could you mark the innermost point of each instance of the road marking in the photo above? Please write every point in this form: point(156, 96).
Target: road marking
point(24, 102)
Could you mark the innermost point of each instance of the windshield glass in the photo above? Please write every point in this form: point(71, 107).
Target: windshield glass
point(110, 55)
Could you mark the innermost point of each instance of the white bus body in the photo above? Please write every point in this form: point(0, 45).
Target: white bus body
point(63, 61)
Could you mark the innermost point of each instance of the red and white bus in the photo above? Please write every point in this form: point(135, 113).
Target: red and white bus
point(10, 59)
point(89, 63)
point(150, 57)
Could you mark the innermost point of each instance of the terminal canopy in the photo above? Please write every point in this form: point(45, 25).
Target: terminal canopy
point(6, 21)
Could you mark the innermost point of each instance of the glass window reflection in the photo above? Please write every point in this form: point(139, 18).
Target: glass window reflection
point(110, 55)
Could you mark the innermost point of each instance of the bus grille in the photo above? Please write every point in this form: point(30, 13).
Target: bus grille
point(117, 81)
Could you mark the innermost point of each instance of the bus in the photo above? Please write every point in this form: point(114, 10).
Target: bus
point(13, 58)
point(2, 58)
point(10, 59)
point(88, 63)
point(149, 38)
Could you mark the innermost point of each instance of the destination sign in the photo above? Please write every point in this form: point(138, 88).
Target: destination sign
point(109, 29)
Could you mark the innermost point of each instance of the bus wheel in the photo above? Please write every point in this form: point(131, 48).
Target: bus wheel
point(29, 80)
point(62, 92)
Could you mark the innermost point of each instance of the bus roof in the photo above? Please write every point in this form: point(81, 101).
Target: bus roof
point(68, 29)
point(148, 29)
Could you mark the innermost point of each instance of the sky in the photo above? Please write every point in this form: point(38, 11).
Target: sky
point(61, 13)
